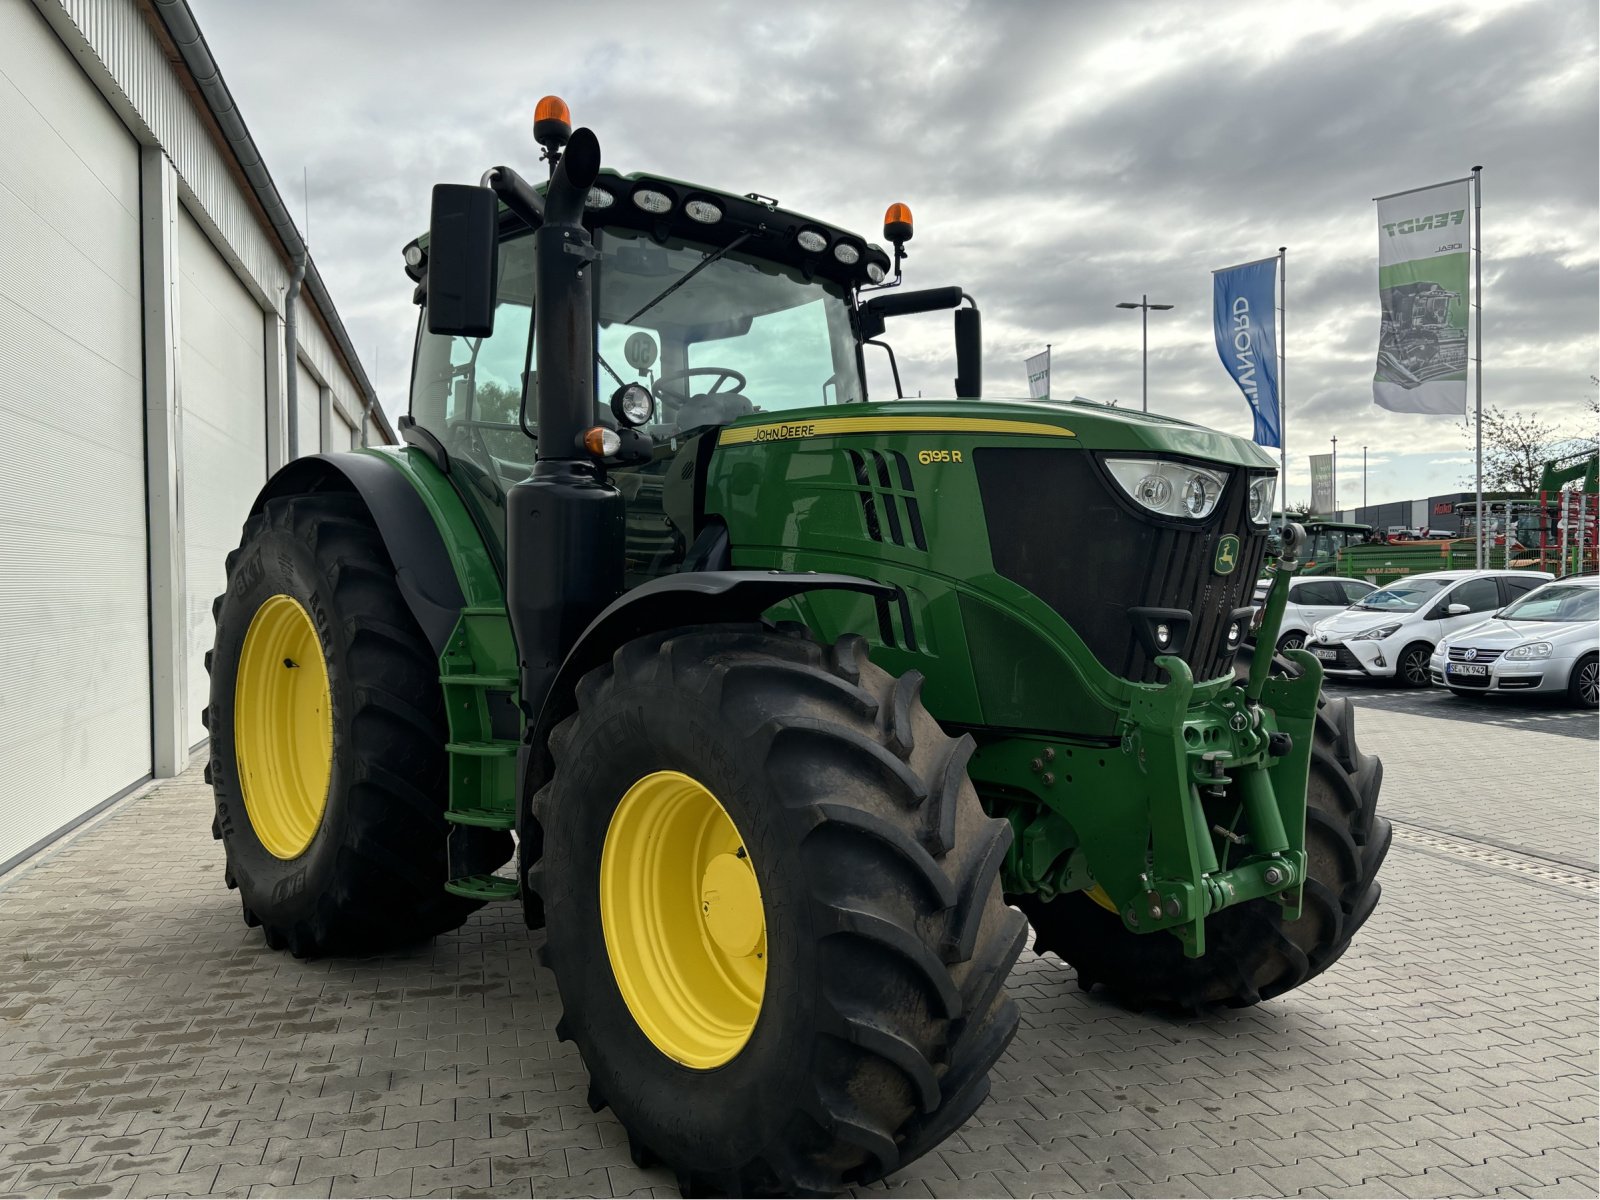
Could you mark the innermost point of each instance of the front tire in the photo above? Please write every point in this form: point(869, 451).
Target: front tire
point(327, 737)
point(1252, 953)
point(882, 943)
point(1291, 641)
point(1411, 669)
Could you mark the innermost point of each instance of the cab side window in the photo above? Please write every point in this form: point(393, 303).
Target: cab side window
point(1479, 595)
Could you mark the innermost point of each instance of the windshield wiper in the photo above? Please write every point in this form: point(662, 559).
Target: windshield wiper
point(688, 275)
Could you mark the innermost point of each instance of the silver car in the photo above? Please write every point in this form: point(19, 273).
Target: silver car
point(1547, 642)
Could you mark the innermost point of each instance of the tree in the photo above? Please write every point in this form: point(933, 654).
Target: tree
point(1516, 446)
point(1301, 509)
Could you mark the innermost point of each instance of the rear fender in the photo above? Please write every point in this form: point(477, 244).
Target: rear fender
point(424, 567)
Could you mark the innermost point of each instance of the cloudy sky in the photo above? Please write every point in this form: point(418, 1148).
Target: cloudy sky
point(1059, 157)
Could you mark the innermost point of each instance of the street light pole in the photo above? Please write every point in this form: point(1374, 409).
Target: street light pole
point(1363, 477)
point(1145, 305)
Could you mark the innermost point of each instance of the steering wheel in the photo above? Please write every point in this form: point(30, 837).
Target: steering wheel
point(671, 389)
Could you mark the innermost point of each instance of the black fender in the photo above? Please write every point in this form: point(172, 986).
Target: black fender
point(423, 570)
point(688, 598)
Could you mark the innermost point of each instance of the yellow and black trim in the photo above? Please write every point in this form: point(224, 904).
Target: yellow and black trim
point(780, 431)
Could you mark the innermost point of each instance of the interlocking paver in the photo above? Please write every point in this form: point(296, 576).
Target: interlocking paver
point(157, 1047)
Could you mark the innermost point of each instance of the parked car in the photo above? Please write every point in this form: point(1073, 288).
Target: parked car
point(1548, 642)
point(1391, 632)
point(1311, 599)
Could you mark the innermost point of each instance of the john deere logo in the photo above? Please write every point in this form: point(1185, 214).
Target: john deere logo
point(1227, 555)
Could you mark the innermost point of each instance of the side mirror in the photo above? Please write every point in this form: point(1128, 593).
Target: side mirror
point(969, 353)
point(462, 260)
point(1458, 610)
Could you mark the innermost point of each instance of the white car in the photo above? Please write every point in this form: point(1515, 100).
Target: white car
point(1391, 633)
point(1547, 642)
point(1311, 599)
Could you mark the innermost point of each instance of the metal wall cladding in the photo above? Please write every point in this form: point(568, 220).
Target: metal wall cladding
point(1057, 529)
point(160, 112)
point(74, 565)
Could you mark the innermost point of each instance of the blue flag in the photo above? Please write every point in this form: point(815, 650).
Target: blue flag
point(1242, 311)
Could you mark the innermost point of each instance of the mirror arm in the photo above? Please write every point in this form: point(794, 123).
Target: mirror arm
point(515, 193)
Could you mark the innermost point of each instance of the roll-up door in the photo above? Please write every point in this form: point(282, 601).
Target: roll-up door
point(222, 391)
point(74, 569)
point(308, 403)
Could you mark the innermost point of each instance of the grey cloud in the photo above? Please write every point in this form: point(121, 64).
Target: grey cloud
point(1048, 199)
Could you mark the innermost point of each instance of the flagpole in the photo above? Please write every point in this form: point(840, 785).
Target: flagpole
point(1283, 360)
point(1047, 370)
point(1477, 295)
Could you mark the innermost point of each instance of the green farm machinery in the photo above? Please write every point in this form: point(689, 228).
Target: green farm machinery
point(769, 703)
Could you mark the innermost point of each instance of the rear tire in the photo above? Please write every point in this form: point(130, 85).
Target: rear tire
point(1583, 688)
point(1291, 641)
point(372, 875)
point(887, 940)
point(1252, 953)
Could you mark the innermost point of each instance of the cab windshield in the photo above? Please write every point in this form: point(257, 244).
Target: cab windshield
point(740, 335)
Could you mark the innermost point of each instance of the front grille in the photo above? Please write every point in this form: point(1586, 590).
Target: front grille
point(1060, 527)
point(1459, 654)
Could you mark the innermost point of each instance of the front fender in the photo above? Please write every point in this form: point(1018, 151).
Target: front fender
point(689, 598)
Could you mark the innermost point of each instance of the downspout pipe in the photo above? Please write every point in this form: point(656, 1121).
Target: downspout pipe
point(185, 33)
point(291, 376)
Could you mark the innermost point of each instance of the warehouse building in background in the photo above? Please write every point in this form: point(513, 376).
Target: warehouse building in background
point(158, 360)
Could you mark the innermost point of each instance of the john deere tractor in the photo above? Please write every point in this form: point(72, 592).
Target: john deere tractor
point(771, 703)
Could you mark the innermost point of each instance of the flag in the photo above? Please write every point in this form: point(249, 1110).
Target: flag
point(1422, 289)
point(1322, 484)
point(1242, 312)
point(1038, 368)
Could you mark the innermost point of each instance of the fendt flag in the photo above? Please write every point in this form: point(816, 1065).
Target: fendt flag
point(1422, 287)
point(1243, 312)
point(1322, 484)
point(1038, 368)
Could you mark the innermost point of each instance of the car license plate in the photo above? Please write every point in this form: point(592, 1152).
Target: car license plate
point(1327, 652)
point(1467, 668)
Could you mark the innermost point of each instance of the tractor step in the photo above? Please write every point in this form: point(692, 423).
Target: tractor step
point(482, 820)
point(478, 672)
point(482, 887)
point(483, 749)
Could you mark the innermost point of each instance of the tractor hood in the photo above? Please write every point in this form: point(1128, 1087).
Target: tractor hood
point(1086, 425)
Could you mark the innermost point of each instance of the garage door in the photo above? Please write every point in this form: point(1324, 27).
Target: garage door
point(74, 572)
point(222, 390)
point(344, 433)
point(308, 403)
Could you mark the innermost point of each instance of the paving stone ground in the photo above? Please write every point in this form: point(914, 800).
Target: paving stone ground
point(150, 1044)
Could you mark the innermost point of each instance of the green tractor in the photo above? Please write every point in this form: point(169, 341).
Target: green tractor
point(770, 704)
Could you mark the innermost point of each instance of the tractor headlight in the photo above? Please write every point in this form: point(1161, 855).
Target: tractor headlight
point(653, 201)
point(633, 404)
point(1171, 489)
point(1376, 634)
point(1262, 489)
point(1530, 650)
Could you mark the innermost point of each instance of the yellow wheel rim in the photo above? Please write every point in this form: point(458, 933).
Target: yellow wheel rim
point(283, 726)
point(684, 924)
